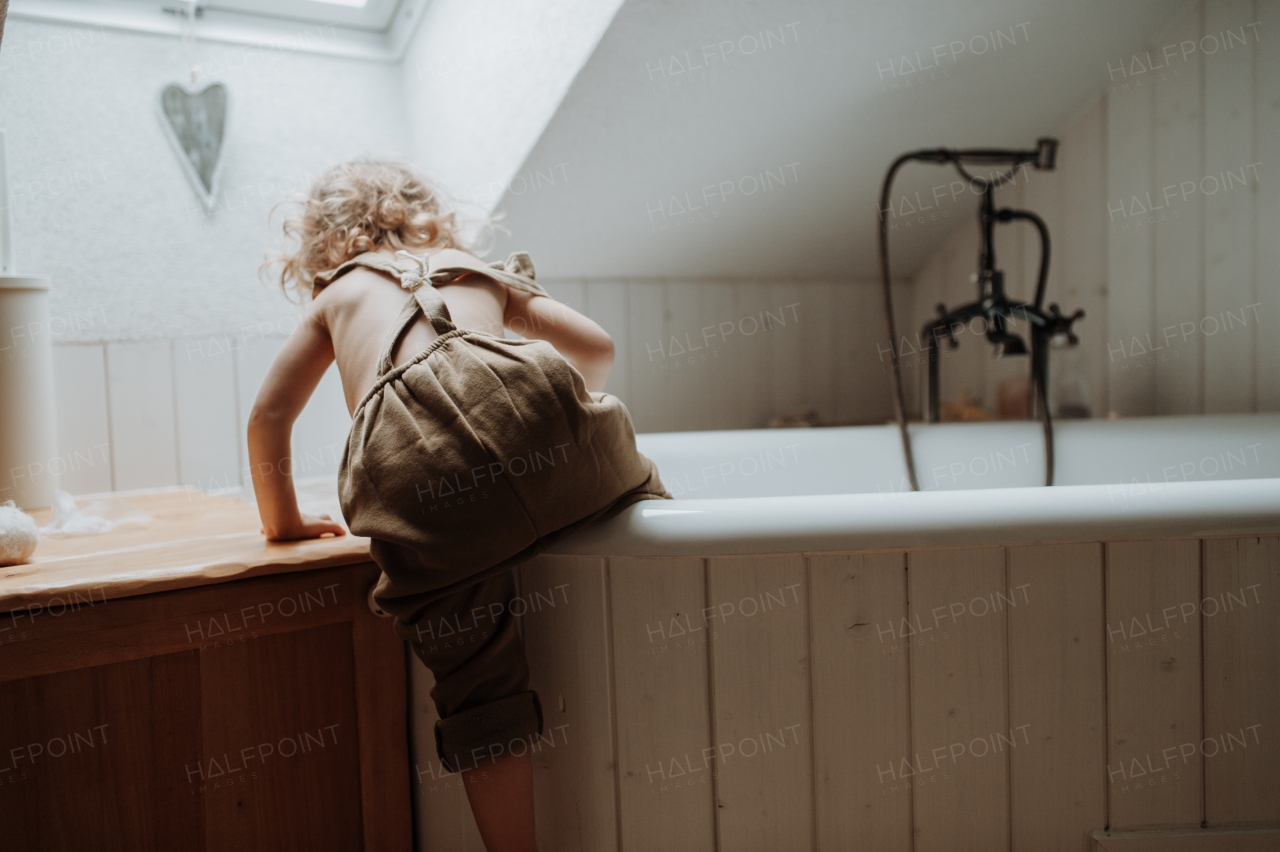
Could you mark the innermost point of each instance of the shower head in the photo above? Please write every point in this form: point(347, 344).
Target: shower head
point(1046, 154)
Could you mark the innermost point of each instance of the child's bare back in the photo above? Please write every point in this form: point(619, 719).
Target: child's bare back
point(358, 310)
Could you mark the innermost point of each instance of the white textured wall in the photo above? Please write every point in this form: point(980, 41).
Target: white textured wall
point(483, 77)
point(100, 203)
point(1164, 214)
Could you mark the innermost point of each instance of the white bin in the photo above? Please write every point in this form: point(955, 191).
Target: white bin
point(28, 440)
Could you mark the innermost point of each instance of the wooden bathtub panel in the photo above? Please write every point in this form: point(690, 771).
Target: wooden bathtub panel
point(1189, 840)
point(443, 815)
point(1153, 684)
point(958, 698)
point(662, 700)
point(1242, 662)
point(82, 766)
point(760, 686)
point(276, 802)
point(860, 701)
point(1057, 683)
point(573, 768)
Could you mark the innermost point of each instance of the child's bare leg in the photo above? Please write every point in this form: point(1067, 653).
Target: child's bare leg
point(501, 796)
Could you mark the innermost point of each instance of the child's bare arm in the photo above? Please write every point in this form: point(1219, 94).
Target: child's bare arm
point(581, 340)
point(292, 379)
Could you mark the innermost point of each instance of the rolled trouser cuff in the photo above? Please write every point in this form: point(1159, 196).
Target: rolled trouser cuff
point(488, 732)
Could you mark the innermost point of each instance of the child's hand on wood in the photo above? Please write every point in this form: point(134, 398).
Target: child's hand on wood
point(311, 526)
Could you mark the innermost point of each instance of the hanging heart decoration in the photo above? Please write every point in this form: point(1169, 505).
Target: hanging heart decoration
point(195, 122)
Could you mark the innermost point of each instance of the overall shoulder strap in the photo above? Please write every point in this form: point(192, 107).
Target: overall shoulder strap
point(516, 272)
point(370, 259)
point(424, 298)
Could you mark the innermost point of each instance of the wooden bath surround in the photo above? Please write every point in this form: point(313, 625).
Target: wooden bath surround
point(1078, 695)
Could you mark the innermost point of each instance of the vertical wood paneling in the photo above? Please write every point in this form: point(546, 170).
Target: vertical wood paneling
point(568, 652)
point(751, 348)
point(1166, 210)
point(1130, 248)
point(724, 404)
point(1228, 213)
point(380, 676)
point(208, 434)
point(959, 706)
point(135, 738)
point(783, 325)
point(1188, 840)
point(253, 359)
point(1057, 683)
point(750, 367)
point(650, 363)
point(1240, 612)
point(870, 386)
point(688, 358)
point(606, 303)
point(1153, 684)
point(1179, 157)
point(660, 649)
point(816, 330)
point(84, 436)
point(443, 818)
point(1266, 125)
point(140, 399)
point(860, 356)
point(320, 433)
point(860, 685)
point(1080, 253)
point(760, 698)
point(245, 703)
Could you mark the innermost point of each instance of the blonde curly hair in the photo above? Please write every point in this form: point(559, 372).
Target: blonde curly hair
point(361, 206)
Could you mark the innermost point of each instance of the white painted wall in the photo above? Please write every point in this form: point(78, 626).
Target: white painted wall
point(99, 201)
point(482, 78)
point(1181, 290)
point(722, 138)
point(151, 295)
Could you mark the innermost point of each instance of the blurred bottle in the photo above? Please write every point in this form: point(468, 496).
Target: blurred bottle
point(1071, 393)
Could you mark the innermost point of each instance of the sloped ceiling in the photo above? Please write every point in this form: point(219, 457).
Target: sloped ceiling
point(691, 105)
point(481, 79)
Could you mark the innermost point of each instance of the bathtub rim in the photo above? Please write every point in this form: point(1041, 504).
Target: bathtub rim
point(934, 519)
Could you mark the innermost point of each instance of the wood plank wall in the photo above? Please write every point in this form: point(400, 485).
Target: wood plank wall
point(1149, 269)
point(992, 698)
point(704, 354)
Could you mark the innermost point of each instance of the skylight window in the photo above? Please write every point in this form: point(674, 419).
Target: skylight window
point(373, 29)
point(363, 14)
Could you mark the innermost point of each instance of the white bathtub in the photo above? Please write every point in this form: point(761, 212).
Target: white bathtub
point(791, 490)
point(798, 653)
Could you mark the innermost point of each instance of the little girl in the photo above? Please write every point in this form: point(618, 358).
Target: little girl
point(468, 453)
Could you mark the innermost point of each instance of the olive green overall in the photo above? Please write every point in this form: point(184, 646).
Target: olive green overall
point(472, 457)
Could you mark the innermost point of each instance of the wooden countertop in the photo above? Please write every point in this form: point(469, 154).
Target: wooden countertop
point(193, 539)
